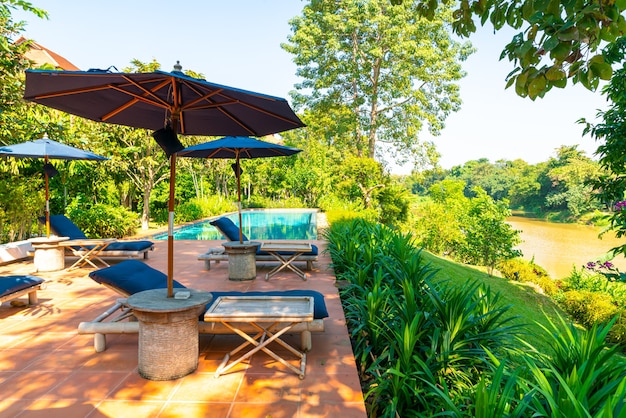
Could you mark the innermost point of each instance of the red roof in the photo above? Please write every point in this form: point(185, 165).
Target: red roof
point(42, 55)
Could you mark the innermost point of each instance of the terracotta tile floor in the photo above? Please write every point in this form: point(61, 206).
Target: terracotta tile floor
point(48, 370)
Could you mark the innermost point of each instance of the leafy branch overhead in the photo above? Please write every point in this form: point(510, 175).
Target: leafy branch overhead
point(558, 40)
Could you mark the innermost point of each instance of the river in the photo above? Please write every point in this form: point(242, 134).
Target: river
point(557, 247)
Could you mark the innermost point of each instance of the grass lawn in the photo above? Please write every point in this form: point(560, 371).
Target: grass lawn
point(529, 306)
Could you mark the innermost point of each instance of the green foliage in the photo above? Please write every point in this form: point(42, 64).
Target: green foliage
point(21, 202)
point(590, 296)
point(588, 307)
point(561, 184)
point(580, 376)
point(560, 41)
point(472, 230)
point(188, 211)
point(488, 238)
point(103, 221)
point(265, 202)
point(375, 74)
point(410, 336)
point(593, 281)
point(525, 271)
point(611, 133)
point(430, 346)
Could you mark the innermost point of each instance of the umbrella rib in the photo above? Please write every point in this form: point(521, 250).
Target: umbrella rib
point(137, 98)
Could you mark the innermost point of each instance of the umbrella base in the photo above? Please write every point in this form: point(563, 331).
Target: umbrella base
point(241, 260)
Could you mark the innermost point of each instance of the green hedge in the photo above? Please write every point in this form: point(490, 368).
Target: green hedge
point(103, 221)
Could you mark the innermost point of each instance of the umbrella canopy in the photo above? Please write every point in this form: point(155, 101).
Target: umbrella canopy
point(171, 103)
point(237, 147)
point(48, 150)
point(147, 100)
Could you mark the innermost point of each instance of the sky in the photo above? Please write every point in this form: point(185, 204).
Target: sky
point(237, 43)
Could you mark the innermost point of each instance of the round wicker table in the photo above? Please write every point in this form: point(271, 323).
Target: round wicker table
point(168, 332)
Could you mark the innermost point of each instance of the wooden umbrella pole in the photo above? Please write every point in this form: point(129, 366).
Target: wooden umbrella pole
point(170, 229)
point(45, 174)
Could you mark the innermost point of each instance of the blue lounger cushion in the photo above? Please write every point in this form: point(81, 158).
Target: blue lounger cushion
point(231, 231)
point(132, 276)
point(228, 228)
point(12, 284)
point(64, 227)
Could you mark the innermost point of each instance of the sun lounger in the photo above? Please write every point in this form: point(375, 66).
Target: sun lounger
point(132, 276)
point(62, 226)
point(231, 232)
point(13, 287)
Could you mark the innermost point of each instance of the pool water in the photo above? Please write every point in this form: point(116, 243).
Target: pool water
point(261, 224)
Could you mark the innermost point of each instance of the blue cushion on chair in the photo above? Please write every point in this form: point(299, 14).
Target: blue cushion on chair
point(64, 227)
point(132, 276)
point(319, 305)
point(128, 246)
point(228, 228)
point(12, 284)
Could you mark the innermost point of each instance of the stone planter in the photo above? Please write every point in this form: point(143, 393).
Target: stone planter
point(241, 259)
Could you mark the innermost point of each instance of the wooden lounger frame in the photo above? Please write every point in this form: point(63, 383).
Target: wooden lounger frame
point(99, 328)
point(31, 291)
point(217, 257)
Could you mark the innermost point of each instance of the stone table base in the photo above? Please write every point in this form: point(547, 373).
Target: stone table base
point(168, 332)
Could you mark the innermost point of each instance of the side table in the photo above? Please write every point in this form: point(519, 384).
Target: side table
point(49, 255)
point(262, 312)
point(168, 332)
point(286, 253)
point(241, 259)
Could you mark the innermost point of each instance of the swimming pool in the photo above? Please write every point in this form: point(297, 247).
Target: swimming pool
point(262, 224)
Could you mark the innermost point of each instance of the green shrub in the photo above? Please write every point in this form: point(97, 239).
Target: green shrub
point(528, 272)
point(21, 202)
point(588, 308)
point(593, 281)
point(103, 221)
point(548, 285)
point(188, 211)
point(265, 202)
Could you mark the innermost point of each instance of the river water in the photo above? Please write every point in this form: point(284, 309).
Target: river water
point(558, 247)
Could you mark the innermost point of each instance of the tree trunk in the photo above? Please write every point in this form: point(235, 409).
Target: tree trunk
point(145, 213)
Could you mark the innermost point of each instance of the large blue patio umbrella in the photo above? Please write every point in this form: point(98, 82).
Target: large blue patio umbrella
point(237, 147)
point(48, 150)
point(170, 103)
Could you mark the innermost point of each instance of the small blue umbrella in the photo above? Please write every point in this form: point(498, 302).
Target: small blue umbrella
point(47, 149)
point(237, 147)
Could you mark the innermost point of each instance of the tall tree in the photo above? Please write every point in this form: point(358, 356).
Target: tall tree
point(381, 71)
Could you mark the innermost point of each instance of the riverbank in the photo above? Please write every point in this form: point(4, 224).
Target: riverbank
point(560, 247)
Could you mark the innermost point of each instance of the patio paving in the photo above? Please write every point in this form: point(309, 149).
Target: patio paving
point(48, 370)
